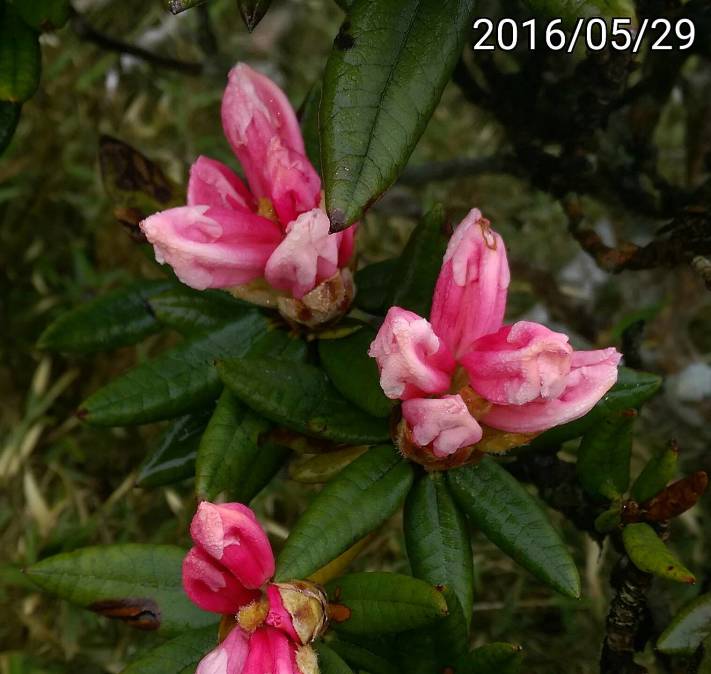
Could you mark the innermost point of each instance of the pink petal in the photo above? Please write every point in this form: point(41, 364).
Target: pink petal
point(278, 617)
point(211, 586)
point(443, 422)
point(294, 185)
point(470, 296)
point(346, 245)
point(264, 133)
point(413, 361)
point(519, 363)
point(271, 652)
point(306, 257)
point(230, 534)
point(592, 375)
point(214, 184)
point(212, 247)
point(229, 657)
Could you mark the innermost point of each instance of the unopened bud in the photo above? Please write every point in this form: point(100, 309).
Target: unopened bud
point(299, 609)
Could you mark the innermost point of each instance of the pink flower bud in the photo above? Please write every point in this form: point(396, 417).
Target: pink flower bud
point(229, 657)
point(272, 652)
point(212, 246)
point(264, 133)
point(592, 374)
point(470, 295)
point(519, 363)
point(214, 184)
point(444, 422)
point(413, 360)
point(211, 586)
point(297, 608)
point(230, 534)
point(308, 255)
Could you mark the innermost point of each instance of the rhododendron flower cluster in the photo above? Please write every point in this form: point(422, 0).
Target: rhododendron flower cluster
point(274, 234)
point(228, 571)
point(463, 377)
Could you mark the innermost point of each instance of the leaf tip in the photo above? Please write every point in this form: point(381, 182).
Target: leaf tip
point(81, 413)
point(338, 220)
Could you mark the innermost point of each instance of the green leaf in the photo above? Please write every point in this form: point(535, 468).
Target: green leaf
point(181, 379)
point(419, 265)
point(438, 543)
point(20, 60)
point(604, 456)
point(353, 372)
point(173, 459)
point(191, 311)
point(501, 658)
point(362, 657)
point(177, 656)
point(631, 390)
point(177, 6)
point(329, 662)
point(658, 472)
point(9, 117)
point(513, 520)
point(377, 603)
point(308, 120)
point(300, 397)
point(384, 77)
point(44, 15)
point(145, 578)
point(649, 554)
point(357, 501)
point(689, 628)
point(373, 286)
point(119, 318)
point(253, 11)
point(320, 468)
point(231, 458)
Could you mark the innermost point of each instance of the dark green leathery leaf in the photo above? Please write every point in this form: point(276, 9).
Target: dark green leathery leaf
point(357, 501)
point(20, 59)
point(184, 378)
point(384, 77)
point(140, 584)
point(377, 603)
point(353, 372)
point(514, 520)
point(232, 458)
point(604, 456)
point(174, 457)
point(689, 628)
point(300, 397)
point(119, 318)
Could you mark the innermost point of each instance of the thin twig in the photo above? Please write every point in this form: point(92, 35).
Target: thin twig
point(459, 167)
point(88, 33)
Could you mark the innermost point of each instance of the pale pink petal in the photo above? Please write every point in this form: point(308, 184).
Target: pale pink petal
point(412, 359)
point(229, 657)
point(306, 257)
point(278, 617)
point(271, 652)
point(445, 423)
point(519, 363)
point(212, 247)
point(592, 375)
point(470, 296)
point(211, 586)
point(214, 184)
point(264, 133)
point(231, 534)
